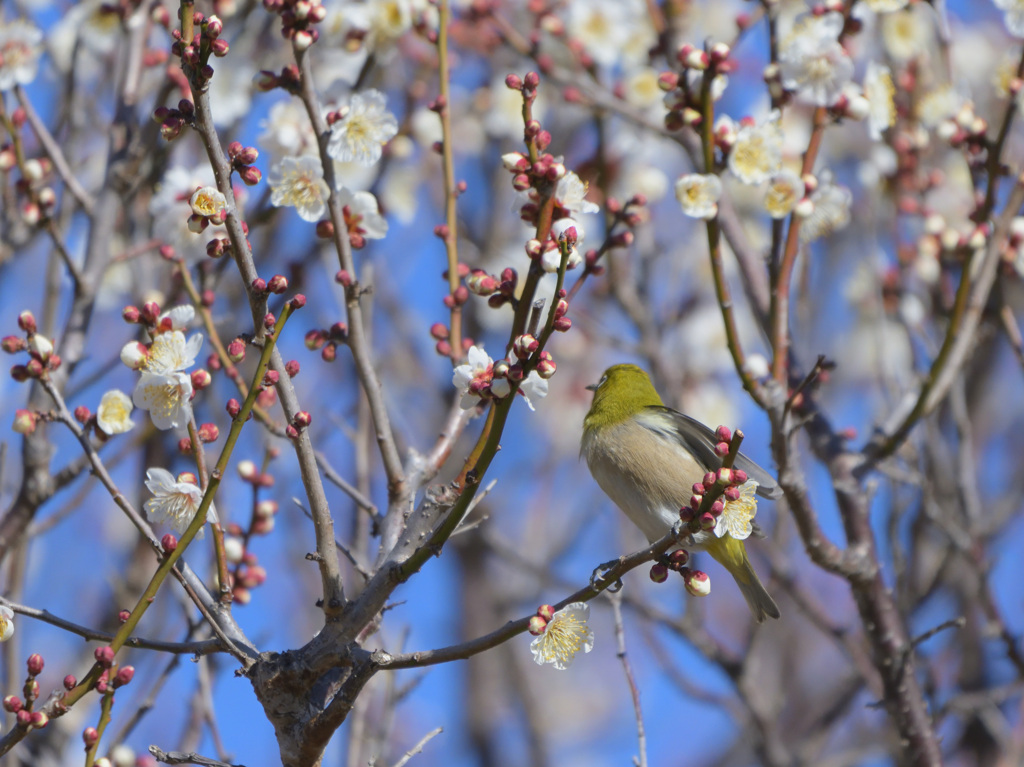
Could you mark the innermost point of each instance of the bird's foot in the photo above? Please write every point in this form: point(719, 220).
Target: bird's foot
point(599, 575)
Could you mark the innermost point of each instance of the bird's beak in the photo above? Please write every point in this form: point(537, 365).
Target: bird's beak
point(591, 387)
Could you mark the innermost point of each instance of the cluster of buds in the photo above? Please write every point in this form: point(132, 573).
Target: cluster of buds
point(300, 422)
point(441, 334)
point(242, 159)
point(523, 348)
point(289, 80)
point(250, 472)
point(195, 53)
point(298, 20)
point(42, 358)
point(327, 341)
point(725, 483)
point(683, 92)
point(173, 120)
point(697, 582)
point(499, 290)
point(277, 285)
point(248, 574)
point(539, 622)
point(967, 130)
point(38, 199)
point(207, 433)
point(22, 709)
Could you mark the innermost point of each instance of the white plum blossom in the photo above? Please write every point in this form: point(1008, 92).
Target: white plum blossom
point(174, 502)
point(287, 131)
point(365, 127)
point(533, 387)
point(19, 53)
point(1013, 15)
point(164, 389)
point(114, 413)
point(207, 201)
point(812, 60)
point(362, 215)
point(756, 153)
point(177, 318)
point(552, 259)
point(785, 190)
point(737, 516)
point(908, 33)
point(171, 353)
point(831, 211)
point(564, 636)
point(166, 397)
point(938, 105)
point(298, 182)
point(879, 91)
point(886, 6)
point(478, 367)
point(571, 194)
point(6, 623)
point(171, 211)
point(698, 194)
point(611, 30)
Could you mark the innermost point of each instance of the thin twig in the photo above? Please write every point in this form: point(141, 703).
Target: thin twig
point(418, 748)
point(634, 691)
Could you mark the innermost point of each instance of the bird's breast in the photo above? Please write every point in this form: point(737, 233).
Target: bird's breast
point(648, 476)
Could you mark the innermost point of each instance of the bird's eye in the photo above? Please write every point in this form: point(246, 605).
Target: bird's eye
point(602, 382)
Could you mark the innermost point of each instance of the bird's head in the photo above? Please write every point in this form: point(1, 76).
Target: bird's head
point(622, 392)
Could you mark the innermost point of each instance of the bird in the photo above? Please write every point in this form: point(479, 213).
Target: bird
point(646, 457)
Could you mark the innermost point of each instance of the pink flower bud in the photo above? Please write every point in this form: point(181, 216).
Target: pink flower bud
point(265, 81)
point(723, 434)
point(525, 345)
point(739, 476)
point(315, 339)
point(24, 421)
point(270, 378)
point(13, 344)
point(513, 82)
point(90, 735)
point(35, 664)
point(562, 324)
point(722, 448)
point(233, 407)
point(537, 625)
point(250, 175)
point(725, 474)
point(697, 582)
point(104, 655)
point(12, 704)
point(185, 446)
point(38, 720)
point(439, 331)
point(707, 520)
point(481, 283)
point(302, 419)
point(269, 320)
point(732, 493)
point(678, 559)
point(200, 379)
point(291, 432)
point(123, 616)
point(259, 285)
point(236, 350)
point(82, 414)
point(27, 322)
point(70, 682)
point(278, 284)
point(329, 352)
point(717, 508)
point(124, 676)
point(698, 488)
point(659, 573)
point(291, 367)
point(547, 612)
point(297, 301)
point(169, 543)
point(208, 432)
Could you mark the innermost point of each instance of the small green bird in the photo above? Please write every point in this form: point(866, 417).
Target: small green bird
point(647, 457)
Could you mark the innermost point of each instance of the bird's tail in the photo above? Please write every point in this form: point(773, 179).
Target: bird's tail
point(732, 555)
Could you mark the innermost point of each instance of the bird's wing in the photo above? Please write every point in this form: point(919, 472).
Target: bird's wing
point(700, 441)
